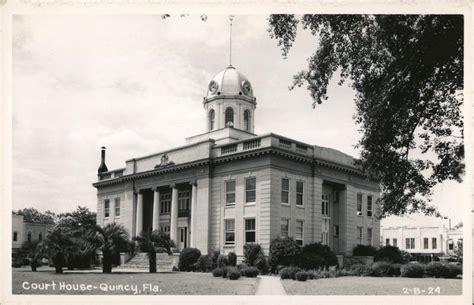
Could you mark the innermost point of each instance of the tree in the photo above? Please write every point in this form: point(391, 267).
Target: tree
point(110, 240)
point(152, 243)
point(59, 245)
point(35, 251)
point(407, 71)
point(34, 216)
point(78, 223)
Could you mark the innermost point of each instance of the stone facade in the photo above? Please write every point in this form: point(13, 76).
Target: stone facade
point(229, 186)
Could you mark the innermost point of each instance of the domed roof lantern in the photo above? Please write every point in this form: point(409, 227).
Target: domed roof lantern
point(230, 82)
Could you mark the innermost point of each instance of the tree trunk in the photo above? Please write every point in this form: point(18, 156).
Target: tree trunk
point(106, 264)
point(58, 269)
point(33, 266)
point(152, 260)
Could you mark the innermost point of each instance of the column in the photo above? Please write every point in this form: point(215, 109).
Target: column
point(193, 214)
point(174, 215)
point(156, 209)
point(139, 222)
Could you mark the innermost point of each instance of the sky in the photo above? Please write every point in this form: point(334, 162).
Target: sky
point(135, 85)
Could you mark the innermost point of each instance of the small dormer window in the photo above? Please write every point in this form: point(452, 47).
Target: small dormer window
point(229, 117)
point(247, 120)
point(212, 119)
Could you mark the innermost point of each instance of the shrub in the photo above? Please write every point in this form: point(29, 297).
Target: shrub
point(454, 271)
point(217, 272)
point(204, 264)
point(407, 257)
point(389, 254)
point(315, 256)
point(242, 266)
point(360, 270)
point(224, 271)
point(343, 272)
point(253, 256)
point(443, 270)
point(415, 270)
point(363, 250)
point(188, 259)
point(283, 251)
point(233, 273)
point(289, 273)
point(221, 261)
point(232, 259)
point(381, 269)
point(250, 272)
point(301, 276)
point(215, 255)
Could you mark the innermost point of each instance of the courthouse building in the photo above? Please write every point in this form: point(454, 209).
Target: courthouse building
point(228, 186)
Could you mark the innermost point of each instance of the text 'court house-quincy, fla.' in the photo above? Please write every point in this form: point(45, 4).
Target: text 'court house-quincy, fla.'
point(228, 186)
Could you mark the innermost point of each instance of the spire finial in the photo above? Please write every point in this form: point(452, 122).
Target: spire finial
point(231, 18)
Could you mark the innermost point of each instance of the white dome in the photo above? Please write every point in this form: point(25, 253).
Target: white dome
point(229, 82)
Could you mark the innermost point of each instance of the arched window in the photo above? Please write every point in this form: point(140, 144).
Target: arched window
point(247, 120)
point(40, 236)
point(28, 237)
point(212, 119)
point(229, 117)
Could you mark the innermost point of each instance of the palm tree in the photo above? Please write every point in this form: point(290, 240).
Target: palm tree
point(152, 243)
point(35, 251)
point(110, 240)
point(59, 244)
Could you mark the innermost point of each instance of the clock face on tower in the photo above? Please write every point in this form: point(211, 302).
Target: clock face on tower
point(246, 87)
point(213, 86)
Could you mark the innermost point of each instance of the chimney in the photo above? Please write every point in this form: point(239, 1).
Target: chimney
point(102, 167)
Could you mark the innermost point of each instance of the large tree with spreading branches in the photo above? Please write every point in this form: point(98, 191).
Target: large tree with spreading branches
point(407, 72)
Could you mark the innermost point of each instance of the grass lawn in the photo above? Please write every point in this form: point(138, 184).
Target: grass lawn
point(351, 285)
point(176, 283)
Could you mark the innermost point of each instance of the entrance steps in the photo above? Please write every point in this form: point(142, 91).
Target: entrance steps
point(164, 262)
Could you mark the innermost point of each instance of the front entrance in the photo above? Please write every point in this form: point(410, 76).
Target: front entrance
point(182, 238)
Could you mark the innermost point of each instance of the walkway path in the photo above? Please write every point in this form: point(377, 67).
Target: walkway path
point(270, 285)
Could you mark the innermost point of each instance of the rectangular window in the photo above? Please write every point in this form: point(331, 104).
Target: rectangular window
point(336, 231)
point(117, 207)
point(250, 230)
point(106, 208)
point(184, 201)
point(359, 204)
point(394, 242)
point(230, 192)
point(434, 242)
point(410, 243)
point(15, 236)
point(387, 242)
point(299, 193)
point(229, 231)
point(369, 236)
point(425, 243)
point(165, 203)
point(285, 227)
point(285, 190)
point(165, 229)
point(299, 232)
point(359, 235)
point(250, 189)
point(325, 204)
point(369, 206)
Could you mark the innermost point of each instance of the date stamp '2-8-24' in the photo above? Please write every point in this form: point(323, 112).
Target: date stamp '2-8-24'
point(418, 290)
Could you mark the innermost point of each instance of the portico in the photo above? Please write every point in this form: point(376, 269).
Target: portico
point(169, 208)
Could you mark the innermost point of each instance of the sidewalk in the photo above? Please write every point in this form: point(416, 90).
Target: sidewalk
point(270, 285)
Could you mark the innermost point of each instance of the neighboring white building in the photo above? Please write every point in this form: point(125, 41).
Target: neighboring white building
point(228, 186)
point(423, 242)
